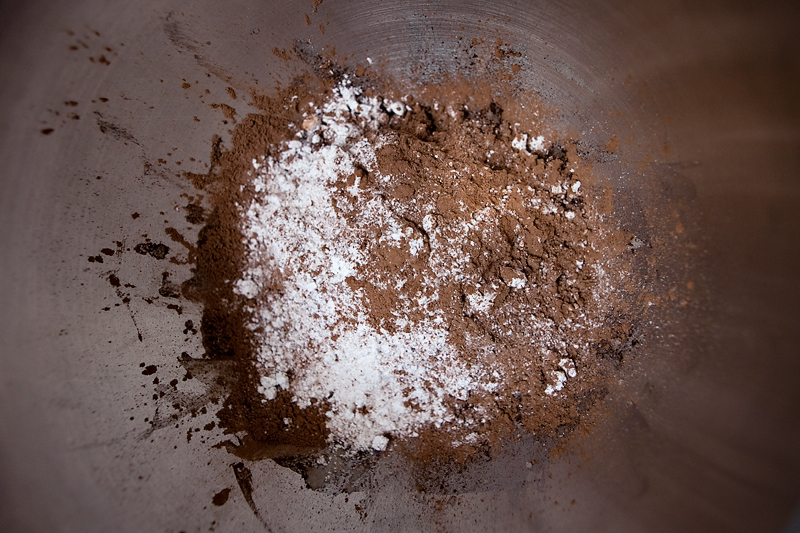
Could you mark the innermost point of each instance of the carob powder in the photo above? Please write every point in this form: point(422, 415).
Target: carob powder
point(428, 272)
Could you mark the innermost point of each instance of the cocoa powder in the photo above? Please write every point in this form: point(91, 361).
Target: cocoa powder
point(534, 279)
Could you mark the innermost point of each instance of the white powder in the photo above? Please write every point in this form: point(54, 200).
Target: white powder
point(537, 144)
point(520, 142)
point(532, 144)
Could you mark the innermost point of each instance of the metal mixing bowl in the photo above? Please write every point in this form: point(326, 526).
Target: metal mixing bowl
point(703, 433)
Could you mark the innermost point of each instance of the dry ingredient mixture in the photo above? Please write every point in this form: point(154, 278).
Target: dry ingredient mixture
point(407, 270)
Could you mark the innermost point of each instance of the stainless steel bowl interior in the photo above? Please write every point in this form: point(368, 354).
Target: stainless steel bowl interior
point(702, 435)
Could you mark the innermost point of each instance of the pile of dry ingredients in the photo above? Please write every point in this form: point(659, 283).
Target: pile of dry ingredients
point(410, 271)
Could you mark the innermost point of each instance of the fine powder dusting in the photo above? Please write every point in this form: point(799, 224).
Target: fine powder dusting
point(412, 267)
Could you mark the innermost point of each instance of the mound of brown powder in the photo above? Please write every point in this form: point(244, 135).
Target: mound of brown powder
point(479, 265)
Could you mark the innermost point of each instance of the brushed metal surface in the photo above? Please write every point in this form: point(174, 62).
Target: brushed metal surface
point(703, 97)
